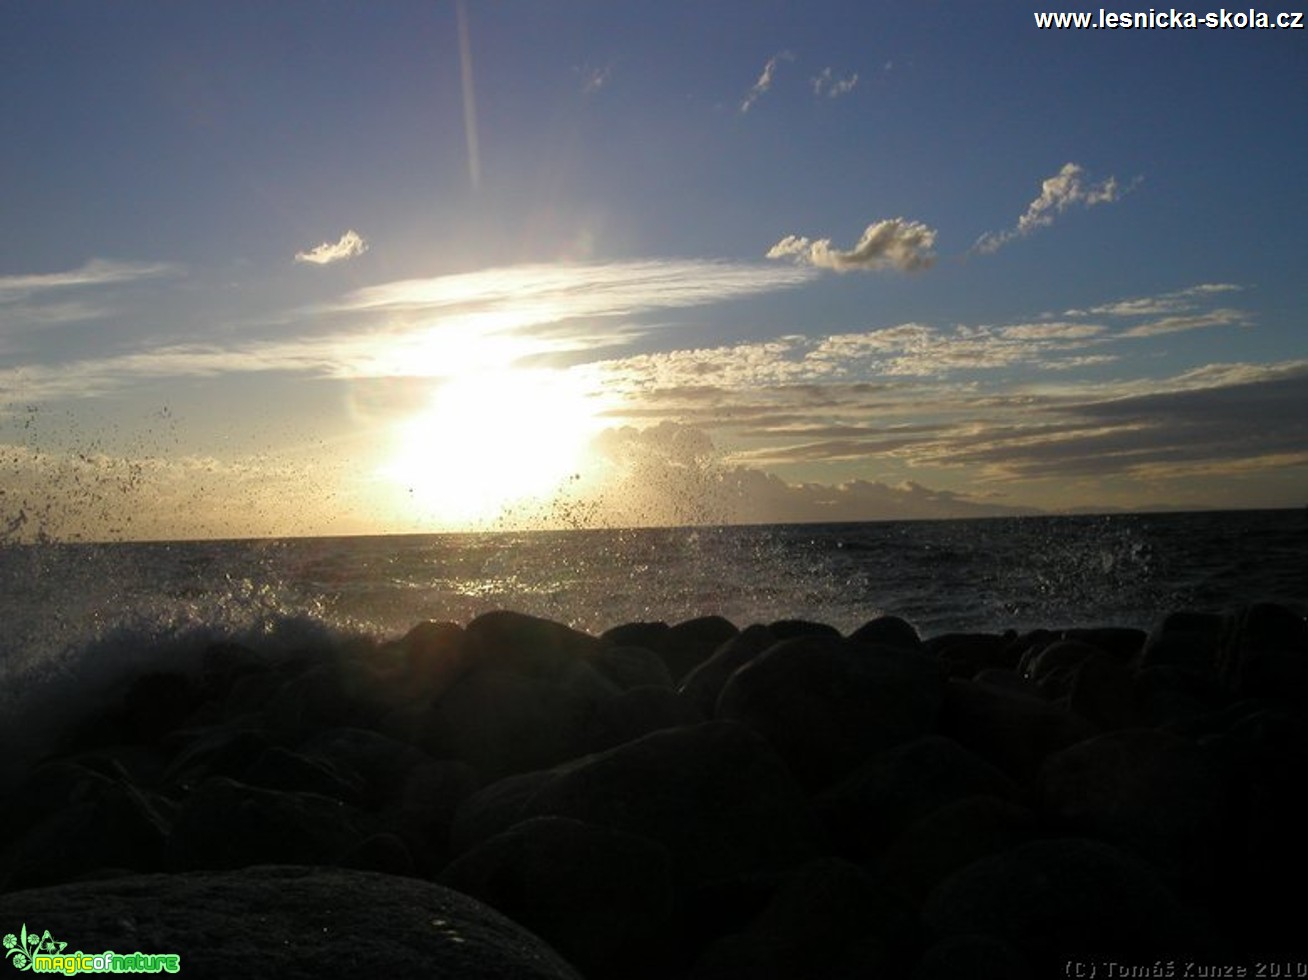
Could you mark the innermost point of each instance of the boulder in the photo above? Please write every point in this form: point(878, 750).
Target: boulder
point(829, 919)
point(227, 824)
point(276, 922)
point(528, 645)
point(1011, 731)
point(601, 897)
point(867, 810)
point(688, 644)
point(965, 654)
point(950, 838)
point(715, 795)
point(888, 631)
point(635, 713)
point(703, 685)
point(1148, 791)
point(828, 705)
point(626, 667)
point(1067, 899)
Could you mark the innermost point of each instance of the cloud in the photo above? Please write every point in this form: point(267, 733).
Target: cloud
point(594, 79)
point(96, 272)
point(1057, 193)
point(1177, 324)
point(1178, 301)
point(764, 82)
point(830, 86)
point(891, 244)
point(351, 244)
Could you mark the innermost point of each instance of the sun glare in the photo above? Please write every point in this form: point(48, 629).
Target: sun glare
point(490, 441)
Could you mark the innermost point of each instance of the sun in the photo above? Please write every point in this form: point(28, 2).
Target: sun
point(493, 440)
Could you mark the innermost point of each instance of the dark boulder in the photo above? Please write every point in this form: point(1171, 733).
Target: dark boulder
point(528, 645)
point(966, 654)
point(601, 897)
point(628, 667)
point(703, 685)
point(1190, 640)
point(950, 838)
point(829, 919)
point(974, 957)
point(226, 824)
point(715, 795)
point(635, 713)
point(276, 922)
point(888, 631)
point(828, 705)
point(1148, 791)
point(688, 644)
point(867, 810)
point(788, 629)
point(1056, 901)
point(1012, 731)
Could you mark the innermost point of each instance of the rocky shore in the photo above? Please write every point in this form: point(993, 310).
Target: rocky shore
point(514, 798)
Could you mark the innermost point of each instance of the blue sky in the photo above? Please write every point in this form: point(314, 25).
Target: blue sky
point(327, 267)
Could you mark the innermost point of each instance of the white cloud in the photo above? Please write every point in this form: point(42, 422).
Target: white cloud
point(96, 272)
point(351, 244)
point(1177, 324)
point(764, 82)
point(1179, 301)
point(1057, 193)
point(890, 244)
point(827, 84)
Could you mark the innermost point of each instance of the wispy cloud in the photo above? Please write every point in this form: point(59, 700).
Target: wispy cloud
point(826, 84)
point(1198, 321)
point(594, 79)
point(436, 327)
point(764, 83)
point(1179, 301)
point(890, 244)
point(96, 272)
point(351, 244)
point(1065, 189)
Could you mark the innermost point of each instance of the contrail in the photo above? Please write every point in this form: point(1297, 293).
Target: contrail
point(469, 99)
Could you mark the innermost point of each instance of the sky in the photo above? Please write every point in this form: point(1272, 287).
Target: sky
point(335, 268)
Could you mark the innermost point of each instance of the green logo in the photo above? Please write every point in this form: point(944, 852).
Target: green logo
point(42, 953)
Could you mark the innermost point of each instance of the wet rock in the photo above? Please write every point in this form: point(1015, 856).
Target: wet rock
point(280, 768)
point(380, 764)
point(866, 811)
point(828, 705)
point(888, 631)
point(788, 629)
point(226, 824)
point(950, 838)
point(602, 898)
point(219, 750)
point(1120, 643)
point(647, 635)
point(1190, 640)
point(703, 685)
point(715, 795)
point(688, 644)
point(1102, 691)
point(629, 667)
point(528, 645)
point(494, 809)
point(502, 722)
point(1269, 656)
point(974, 957)
point(966, 654)
point(1067, 899)
point(829, 919)
point(435, 655)
point(421, 812)
point(1154, 793)
point(635, 713)
point(292, 922)
point(1060, 656)
point(1013, 732)
point(76, 823)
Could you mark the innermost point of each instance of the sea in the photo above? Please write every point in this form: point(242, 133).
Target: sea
point(76, 618)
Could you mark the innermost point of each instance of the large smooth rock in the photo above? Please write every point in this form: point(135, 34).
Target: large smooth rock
point(529, 645)
point(601, 897)
point(715, 795)
point(1067, 899)
point(829, 919)
point(828, 705)
point(227, 824)
point(1152, 792)
point(1011, 731)
point(704, 683)
point(866, 811)
point(279, 922)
